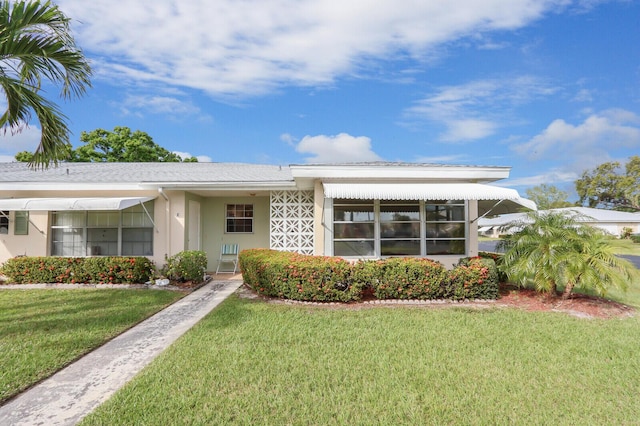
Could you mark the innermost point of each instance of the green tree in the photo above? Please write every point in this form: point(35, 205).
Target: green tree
point(553, 249)
point(35, 45)
point(548, 197)
point(122, 145)
point(611, 186)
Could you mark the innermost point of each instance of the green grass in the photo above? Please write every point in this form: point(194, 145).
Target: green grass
point(249, 362)
point(41, 331)
point(624, 246)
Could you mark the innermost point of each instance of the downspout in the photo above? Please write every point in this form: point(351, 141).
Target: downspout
point(167, 214)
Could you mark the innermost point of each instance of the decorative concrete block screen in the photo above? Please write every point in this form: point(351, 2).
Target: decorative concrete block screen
point(292, 221)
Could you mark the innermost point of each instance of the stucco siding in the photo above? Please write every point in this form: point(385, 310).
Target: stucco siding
point(213, 226)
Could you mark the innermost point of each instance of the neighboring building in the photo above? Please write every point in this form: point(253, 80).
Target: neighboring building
point(611, 221)
point(361, 210)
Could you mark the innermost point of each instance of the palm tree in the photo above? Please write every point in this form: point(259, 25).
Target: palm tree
point(554, 249)
point(36, 44)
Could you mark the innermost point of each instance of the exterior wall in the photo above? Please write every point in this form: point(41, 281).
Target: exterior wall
point(212, 211)
point(292, 221)
point(33, 244)
point(318, 219)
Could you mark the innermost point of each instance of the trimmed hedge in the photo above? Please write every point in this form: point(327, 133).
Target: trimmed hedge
point(71, 270)
point(298, 277)
point(319, 278)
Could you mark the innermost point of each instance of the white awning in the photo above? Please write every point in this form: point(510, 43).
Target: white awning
point(491, 199)
point(62, 204)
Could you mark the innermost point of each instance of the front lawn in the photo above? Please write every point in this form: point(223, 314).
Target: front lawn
point(250, 362)
point(41, 331)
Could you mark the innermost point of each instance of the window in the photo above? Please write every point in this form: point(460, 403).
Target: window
point(445, 225)
point(21, 224)
point(97, 233)
point(400, 229)
point(4, 222)
point(239, 218)
point(372, 228)
point(353, 228)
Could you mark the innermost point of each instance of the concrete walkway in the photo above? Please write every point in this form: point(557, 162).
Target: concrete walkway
point(72, 393)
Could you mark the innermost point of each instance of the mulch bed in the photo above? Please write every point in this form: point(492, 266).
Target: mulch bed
point(578, 305)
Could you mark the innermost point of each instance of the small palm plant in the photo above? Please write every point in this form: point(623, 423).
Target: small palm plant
point(553, 249)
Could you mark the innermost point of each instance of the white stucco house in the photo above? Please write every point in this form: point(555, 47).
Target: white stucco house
point(611, 221)
point(356, 211)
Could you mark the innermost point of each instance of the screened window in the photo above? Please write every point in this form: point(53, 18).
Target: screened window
point(99, 233)
point(445, 227)
point(399, 228)
point(353, 228)
point(239, 218)
point(4, 222)
point(372, 228)
point(21, 224)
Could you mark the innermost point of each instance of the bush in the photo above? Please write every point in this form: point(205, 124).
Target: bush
point(298, 277)
point(318, 278)
point(70, 270)
point(473, 278)
point(410, 278)
point(635, 238)
point(188, 265)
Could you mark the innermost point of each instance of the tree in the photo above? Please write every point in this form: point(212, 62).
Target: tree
point(554, 249)
point(611, 186)
point(35, 45)
point(122, 145)
point(548, 197)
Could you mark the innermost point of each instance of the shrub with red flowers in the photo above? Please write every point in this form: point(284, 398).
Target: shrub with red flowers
point(298, 277)
point(71, 270)
point(473, 278)
point(410, 278)
point(320, 278)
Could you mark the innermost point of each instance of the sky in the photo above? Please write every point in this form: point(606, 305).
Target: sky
point(550, 88)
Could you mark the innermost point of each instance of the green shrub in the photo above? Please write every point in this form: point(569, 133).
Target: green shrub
point(410, 278)
point(635, 238)
point(188, 265)
point(473, 278)
point(497, 259)
point(70, 270)
point(318, 278)
point(298, 277)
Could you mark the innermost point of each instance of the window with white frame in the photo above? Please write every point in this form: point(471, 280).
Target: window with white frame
point(239, 218)
point(103, 233)
point(380, 228)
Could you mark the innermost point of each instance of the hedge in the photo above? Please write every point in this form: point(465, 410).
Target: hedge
point(320, 278)
point(70, 270)
point(298, 277)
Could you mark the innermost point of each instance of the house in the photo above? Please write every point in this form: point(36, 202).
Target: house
point(359, 210)
point(611, 221)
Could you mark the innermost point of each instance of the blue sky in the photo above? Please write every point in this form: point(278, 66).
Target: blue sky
point(549, 87)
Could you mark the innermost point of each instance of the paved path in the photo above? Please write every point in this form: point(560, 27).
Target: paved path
point(72, 393)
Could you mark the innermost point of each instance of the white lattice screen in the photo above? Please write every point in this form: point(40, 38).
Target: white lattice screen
point(291, 222)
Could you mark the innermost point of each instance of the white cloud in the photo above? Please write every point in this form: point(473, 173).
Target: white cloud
point(341, 148)
point(553, 177)
point(587, 144)
point(477, 109)
point(13, 142)
point(172, 107)
point(251, 47)
point(201, 158)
